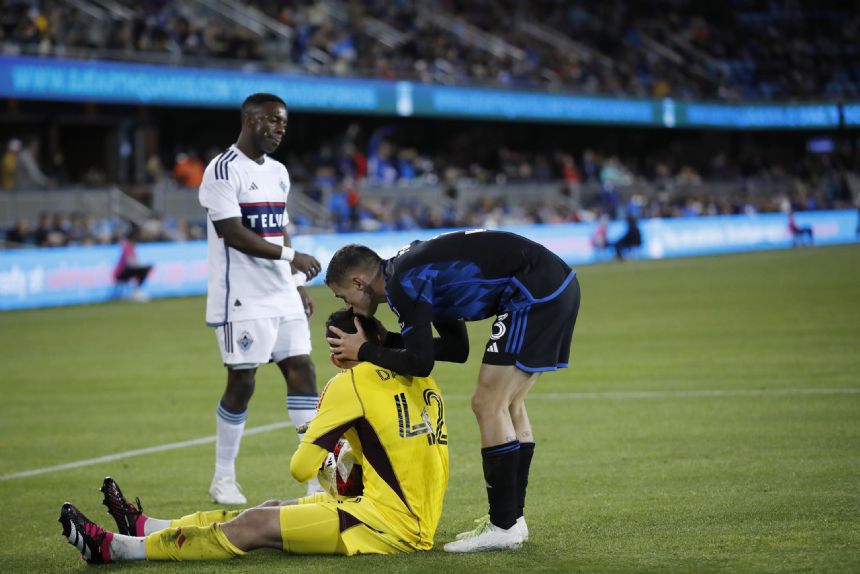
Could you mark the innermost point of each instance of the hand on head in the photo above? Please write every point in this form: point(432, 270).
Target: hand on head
point(346, 332)
point(344, 346)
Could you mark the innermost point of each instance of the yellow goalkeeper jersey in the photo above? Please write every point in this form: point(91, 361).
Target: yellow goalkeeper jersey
point(396, 427)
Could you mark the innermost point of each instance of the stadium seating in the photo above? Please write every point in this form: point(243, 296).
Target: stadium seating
point(727, 50)
point(370, 177)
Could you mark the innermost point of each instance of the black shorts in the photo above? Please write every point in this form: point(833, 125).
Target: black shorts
point(536, 338)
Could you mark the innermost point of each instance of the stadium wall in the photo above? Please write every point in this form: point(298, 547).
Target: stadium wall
point(32, 278)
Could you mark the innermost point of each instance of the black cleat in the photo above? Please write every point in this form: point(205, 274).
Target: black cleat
point(126, 514)
point(91, 540)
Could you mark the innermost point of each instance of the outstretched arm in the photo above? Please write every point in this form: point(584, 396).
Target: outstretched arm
point(452, 344)
point(412, 353)
point(417, 356)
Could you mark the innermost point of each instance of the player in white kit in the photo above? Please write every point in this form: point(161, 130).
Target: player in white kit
point(258, 310)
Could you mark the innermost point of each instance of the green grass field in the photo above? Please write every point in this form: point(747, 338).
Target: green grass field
point(710, 423)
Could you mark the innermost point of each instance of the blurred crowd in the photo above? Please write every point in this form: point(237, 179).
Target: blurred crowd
point(351, 210)
point(57, 229)
point(615, 194)
point(380, 181)
point(379, 178)
point(125, 29)
point(734, 50)
point(376, 184)
point(656, 48)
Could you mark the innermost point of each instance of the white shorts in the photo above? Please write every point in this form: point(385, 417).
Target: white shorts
point(251, 343)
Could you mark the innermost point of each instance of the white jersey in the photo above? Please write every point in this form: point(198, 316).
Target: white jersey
point(242, 287)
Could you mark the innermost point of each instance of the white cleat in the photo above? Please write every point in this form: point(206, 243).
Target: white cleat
point(139, 297)
point(524, 529)
point(479, 525)
point(225, 490)
point(487, 536)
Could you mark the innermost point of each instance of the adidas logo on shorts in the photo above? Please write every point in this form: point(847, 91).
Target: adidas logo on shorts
point(493, 348)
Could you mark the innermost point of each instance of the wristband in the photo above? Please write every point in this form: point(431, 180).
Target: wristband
point(288, 253)
point(300, 279)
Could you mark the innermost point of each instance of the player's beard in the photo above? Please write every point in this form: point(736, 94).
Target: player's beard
point(373, 306)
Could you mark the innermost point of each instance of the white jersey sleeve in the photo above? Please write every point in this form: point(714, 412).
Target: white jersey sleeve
point(219, 194)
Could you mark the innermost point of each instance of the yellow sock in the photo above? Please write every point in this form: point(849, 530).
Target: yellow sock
point(205, 518)
point(191, 543)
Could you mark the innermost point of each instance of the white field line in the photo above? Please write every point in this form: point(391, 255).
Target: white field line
point(615, 395)
point(130, 453)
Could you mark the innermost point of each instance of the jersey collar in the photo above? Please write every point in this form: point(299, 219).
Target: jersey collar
point(387, 268)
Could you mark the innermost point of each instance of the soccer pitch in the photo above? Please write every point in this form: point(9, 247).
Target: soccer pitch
point(710, 423)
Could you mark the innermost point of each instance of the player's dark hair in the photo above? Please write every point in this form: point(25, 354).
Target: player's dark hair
point(261, 98)
point(349, 258)
point(344, 319)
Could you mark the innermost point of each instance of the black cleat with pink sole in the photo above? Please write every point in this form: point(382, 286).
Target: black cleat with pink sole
point(90, 539)
point(126, 514)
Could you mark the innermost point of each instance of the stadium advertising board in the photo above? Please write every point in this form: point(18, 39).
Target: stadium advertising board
point(851, 114)
point(759, 116)
point(532, 106)
point(132, 83)
point(74, 275)
point(109, 82)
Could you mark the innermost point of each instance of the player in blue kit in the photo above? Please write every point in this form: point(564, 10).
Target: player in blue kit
point(443, 282)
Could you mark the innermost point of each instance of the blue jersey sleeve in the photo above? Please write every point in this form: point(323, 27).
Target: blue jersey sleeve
point(411, 301)
point(416, 358)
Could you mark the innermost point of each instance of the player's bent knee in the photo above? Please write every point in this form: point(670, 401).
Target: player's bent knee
point(240, 389)
point(255, 528)
point(243, 377)
point(297, 362)
point(486, 404)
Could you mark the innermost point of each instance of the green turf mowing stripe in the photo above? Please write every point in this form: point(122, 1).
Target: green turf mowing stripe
point(623, 395)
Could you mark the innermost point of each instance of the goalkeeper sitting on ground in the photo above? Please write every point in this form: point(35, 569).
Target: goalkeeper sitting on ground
point(396, 428)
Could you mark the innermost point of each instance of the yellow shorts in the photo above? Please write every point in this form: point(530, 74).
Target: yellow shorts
point(321, 527)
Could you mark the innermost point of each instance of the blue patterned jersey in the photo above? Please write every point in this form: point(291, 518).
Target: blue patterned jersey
point(469, 275)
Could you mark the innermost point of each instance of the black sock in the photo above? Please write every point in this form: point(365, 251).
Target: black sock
point(501, 463)
point(527, 450)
